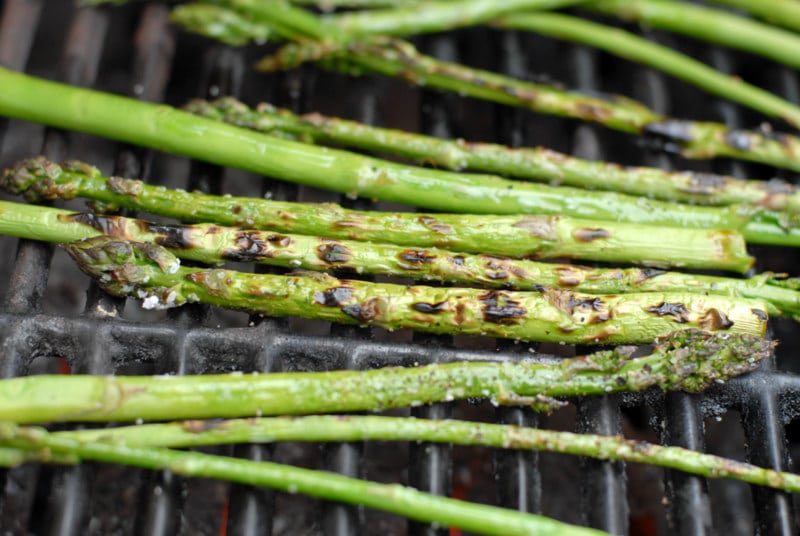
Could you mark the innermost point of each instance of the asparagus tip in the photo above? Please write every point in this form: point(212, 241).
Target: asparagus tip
point(697, 359)
point(34, 179)
point(119, 266)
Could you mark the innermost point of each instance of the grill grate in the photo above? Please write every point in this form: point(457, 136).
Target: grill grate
point(45, 318)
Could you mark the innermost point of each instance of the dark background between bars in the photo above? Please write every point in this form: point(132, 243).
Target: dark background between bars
point(52, 317)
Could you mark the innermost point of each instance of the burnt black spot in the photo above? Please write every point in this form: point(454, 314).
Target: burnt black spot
point(429, 308)
point(760, 314)
point(172, 236)
point(594, 304)
point(334, 297)
point(415, 256)
point(365, 312)
point(714, 320)
point(587, 235)
point(457, 260)
point(599, 318)
point(333, 252)
point(109, 225)
point(673, 130)
point(250, 247)
point(279, 240)
point(499, 308)
point(237, 209)
point(620, 381)
point(676, 310)
point(738, 139)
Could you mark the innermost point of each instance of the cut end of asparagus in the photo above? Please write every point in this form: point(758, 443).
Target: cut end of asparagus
point(696, 359)
point(36, 180)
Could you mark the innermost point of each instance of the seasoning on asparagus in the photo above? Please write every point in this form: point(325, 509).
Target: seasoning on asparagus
point(196, 433)
point(154, 274)
point(524, 236)
point(713, 25)
point(530, 163)
point(686, 360)
point(213, 244)
point(402, 500)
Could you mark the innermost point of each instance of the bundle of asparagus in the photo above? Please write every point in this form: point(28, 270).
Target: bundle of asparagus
point(558, 303)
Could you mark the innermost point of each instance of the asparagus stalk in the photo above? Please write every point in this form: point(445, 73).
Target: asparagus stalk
point(635, 48)
point(690, 139)
point(220, 23)
point(780, 12)
point(530, 163)
point(150, 272)
point(179, 132)
point(686, 360)
point(714, 25)
point(405, 501)
point(212, 244)
point(374, 428)
point(524, 236)
point(431, 16)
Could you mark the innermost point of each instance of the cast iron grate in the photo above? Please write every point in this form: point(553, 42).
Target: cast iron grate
point(49, 319)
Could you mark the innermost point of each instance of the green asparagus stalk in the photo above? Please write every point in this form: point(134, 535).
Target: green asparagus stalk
point(183, 133)
point(220, 23)
point(405, 501)
point(374, 428)
point(690, 139)
point(780, 12)
point(714, 25)
point(686, 360)
point(524, 236)
point(212, 244)
point(432, 16)
point(635, 48)
point(554, 315)
point(530, 163)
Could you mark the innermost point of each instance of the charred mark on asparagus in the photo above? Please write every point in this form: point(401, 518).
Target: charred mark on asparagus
point(108, 225)
point(714, 320)
point(333, 252)
point(676, 310)
point(415, 256)
point(434, 225)
point(500, 308)
point(430, 308)
point(762, 315)
point(590, 235)
point(367, 311)
point(334, 297)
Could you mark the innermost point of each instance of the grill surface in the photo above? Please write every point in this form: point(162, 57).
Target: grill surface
point(52, 317)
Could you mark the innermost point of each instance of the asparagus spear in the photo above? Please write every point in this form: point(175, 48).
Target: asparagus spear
point(374, 428)
point(530, 163)
point(714, 25)
point(540, 236)
point(635, 48)
point(690, 139)
point(212, 244)
point(431, 16)
point(780, 12)
point(405, 501)
point(150, 272)
point(686, 360)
